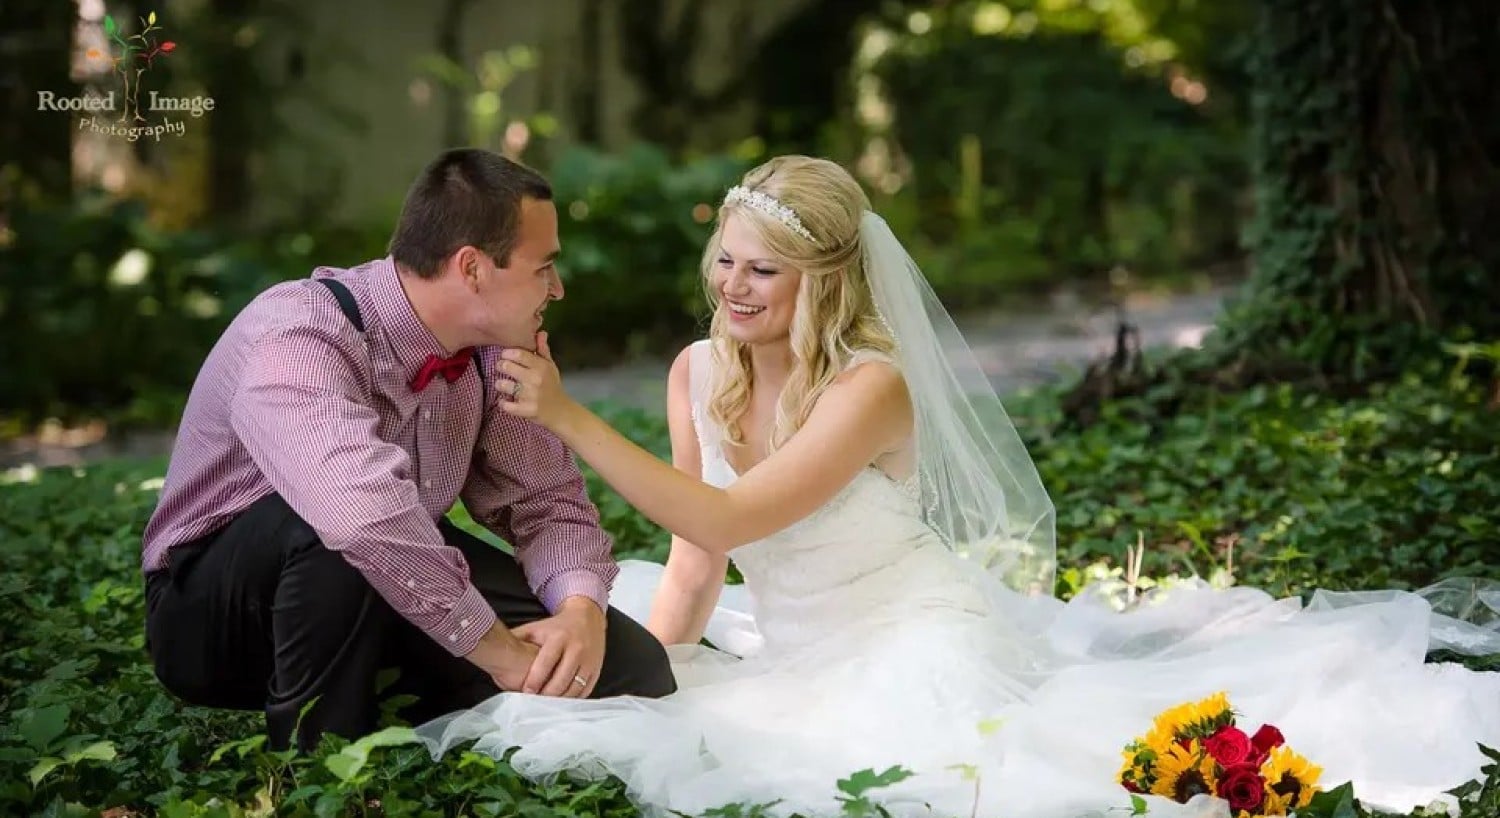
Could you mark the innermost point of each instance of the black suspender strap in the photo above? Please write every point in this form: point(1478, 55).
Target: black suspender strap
point(350, 309)
point(346, 301)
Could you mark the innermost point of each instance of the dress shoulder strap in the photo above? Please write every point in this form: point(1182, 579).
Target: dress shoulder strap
point(700, 358)
point(700, 367)
point(865, 355)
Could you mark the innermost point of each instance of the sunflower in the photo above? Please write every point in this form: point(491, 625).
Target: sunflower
point(1137, 771)
point(1160, 738)
point(1291, 780)
point(1183, 772)
point(1193, 719)
point(1275, 803)
point(1132, 776)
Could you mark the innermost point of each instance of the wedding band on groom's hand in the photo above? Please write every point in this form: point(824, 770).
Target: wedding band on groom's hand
point(580, 681)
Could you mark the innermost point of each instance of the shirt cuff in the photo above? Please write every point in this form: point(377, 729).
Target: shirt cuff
point(470, 620)
point(580, 582)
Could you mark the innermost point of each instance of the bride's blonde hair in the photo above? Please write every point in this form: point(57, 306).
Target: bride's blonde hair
point(835, 313)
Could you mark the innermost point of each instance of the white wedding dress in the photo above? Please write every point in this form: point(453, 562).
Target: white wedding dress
point(858, 641)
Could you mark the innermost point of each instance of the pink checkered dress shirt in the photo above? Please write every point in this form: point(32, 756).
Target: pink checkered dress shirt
point(294, 399)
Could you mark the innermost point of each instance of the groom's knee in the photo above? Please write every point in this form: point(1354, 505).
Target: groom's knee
point(635, 663)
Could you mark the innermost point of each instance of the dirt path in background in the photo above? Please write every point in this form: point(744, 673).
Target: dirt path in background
point(1018, 350)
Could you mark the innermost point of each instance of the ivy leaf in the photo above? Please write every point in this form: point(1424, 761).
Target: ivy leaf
point(344, 766)
point(40, 727)
point(967, 772)
point(350, 760)
point(301, 794)
point(98, 751)
point(242, 746)
point(109, 26)
point(863, 780)
point(42, 768)
point(1334, 803)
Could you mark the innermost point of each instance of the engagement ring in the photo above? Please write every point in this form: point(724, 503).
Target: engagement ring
point(580, 681)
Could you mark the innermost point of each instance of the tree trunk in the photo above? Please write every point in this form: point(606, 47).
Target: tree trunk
point(799, 75)
point(585, 97)
point(791, 79)
point(235, 127)
point(38, 36)
point(1375, 165)
point(1376, 146)
point(450, 45)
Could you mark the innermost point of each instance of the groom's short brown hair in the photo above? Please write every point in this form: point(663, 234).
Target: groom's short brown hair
point(466, 196)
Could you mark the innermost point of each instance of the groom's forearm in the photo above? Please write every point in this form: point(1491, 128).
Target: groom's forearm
point(529, 492)
point(693, 510)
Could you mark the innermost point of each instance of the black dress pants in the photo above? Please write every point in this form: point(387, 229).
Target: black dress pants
point(260, 615)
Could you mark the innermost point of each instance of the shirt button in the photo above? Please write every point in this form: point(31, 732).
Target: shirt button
point(427, 414)
point(411, 583)
point(452, 637)
point(427, 484)
point(464, 624)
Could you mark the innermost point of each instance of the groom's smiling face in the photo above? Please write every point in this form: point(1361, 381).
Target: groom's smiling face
point(757, 291)
point(515, 296)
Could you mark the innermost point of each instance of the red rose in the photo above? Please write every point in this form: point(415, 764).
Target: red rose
point(1266, 738)
point(1242, 786)
point(1229, 746)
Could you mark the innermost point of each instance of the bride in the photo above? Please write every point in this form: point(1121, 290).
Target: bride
point(837, 440)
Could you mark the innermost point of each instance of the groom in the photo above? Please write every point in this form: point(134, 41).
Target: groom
point(300, 545)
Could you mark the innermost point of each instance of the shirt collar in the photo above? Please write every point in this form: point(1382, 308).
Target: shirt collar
point(410, 339)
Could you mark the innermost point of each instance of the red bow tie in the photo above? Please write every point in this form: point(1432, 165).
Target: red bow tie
point(449, 368)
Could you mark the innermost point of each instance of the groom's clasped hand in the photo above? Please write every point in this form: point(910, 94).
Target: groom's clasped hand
point(557, 656)
point(569, 650)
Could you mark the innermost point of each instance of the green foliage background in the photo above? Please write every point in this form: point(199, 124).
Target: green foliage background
point(1047, 150)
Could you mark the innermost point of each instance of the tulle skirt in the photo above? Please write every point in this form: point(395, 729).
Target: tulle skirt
point(1021, 711)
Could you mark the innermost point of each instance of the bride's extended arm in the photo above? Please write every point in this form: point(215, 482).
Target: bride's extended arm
point(864, 414)
point(693, 577)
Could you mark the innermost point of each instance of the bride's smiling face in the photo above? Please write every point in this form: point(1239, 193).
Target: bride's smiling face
point(757, 292)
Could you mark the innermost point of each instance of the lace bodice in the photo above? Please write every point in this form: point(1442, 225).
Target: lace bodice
point(839, 561)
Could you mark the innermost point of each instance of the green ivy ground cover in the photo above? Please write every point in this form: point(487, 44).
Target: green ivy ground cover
point(1396, 489)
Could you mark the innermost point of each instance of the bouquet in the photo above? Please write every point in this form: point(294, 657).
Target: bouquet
point(1195, 748)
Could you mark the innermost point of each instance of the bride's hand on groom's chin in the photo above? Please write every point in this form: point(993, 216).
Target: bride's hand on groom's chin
point(535, 390)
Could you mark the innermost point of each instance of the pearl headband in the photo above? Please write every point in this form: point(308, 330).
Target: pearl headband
point(771, 207)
